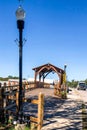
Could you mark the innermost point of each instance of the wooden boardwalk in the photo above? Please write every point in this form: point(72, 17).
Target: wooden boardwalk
point(59, 114)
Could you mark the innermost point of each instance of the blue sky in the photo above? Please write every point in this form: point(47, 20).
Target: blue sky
point(56, 32)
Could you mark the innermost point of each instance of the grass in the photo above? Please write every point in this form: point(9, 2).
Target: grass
point(4, 127)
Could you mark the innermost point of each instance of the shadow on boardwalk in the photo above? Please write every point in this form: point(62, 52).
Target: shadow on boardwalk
point(62, 114)
point(59, 114)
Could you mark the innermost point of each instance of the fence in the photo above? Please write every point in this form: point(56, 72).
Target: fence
point(40, 102)
point(12, 93)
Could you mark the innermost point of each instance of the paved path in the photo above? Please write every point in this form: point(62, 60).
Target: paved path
point(63, 114)
point(60, 114)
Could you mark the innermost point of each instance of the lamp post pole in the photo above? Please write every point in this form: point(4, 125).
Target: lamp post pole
point(65, 68)
point(20, 25)
point(20, 14)
point(65, 74)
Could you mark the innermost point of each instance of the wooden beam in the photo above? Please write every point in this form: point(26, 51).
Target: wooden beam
point(34, 101)
point(33, 119)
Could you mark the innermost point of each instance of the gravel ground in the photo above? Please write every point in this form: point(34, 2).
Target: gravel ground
point(59, 114)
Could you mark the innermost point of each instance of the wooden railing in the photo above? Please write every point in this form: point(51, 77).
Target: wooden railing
point(37, 121)
point(12, 93)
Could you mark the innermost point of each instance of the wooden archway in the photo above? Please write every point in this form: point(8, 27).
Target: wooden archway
point(44, 70)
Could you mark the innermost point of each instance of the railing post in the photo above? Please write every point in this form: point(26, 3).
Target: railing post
point(1, 98)
point(4, 97)
point(40, 110)
point(2, 119)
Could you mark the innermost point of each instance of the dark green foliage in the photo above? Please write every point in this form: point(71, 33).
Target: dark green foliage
point(72, 83)
point(9, 77)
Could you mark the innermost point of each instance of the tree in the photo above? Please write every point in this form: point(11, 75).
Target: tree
point(72, 84)
point(86, 81)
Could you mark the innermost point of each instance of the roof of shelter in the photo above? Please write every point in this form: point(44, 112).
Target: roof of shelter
point(48, 67)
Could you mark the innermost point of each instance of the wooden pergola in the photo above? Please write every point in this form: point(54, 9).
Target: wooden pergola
point(43, 70)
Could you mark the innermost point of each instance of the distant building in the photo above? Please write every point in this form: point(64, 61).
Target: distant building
point(11, 82)
point(45, 80)
point(14, 81)
point(3, 82)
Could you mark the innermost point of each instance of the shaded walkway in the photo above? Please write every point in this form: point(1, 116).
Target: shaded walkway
point(59, 114)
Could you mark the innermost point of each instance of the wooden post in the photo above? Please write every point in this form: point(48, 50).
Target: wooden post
point(1, 99)
point(0, 85)
point(1, 106)
point(40, 110)
point(26, 86)
point(9, 85)
point(5, 88)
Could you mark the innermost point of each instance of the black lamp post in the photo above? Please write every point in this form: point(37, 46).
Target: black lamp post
point(65, 68)
point(20, 15)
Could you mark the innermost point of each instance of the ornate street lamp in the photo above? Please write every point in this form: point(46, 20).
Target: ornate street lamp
point(65, 77)
point(65, 66)
point(20, 15)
